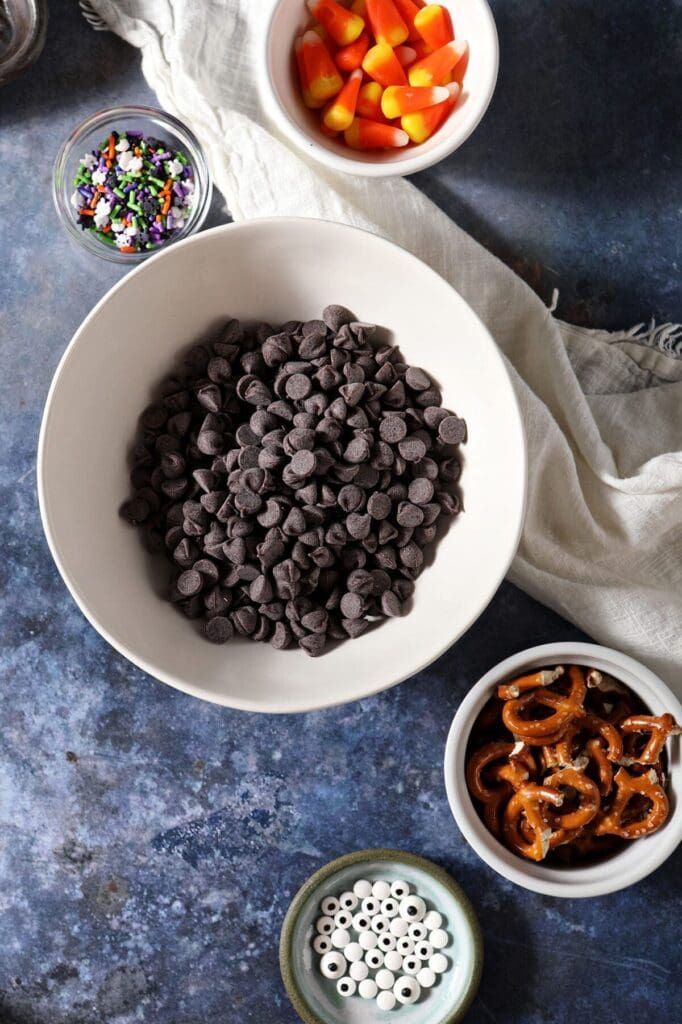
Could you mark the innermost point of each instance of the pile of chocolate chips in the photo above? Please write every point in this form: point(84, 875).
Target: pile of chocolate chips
point(293, 478)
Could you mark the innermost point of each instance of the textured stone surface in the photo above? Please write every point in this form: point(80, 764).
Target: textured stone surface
point(149, 843)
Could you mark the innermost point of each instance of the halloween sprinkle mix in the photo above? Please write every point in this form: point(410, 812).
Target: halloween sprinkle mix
point(133, 193)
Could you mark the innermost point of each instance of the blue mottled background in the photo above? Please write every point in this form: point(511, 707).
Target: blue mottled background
point(149, 843)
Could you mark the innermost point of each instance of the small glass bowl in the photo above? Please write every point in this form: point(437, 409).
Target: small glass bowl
point(89, 134)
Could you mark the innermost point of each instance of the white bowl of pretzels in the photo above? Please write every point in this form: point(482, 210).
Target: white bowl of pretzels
point(563, 770)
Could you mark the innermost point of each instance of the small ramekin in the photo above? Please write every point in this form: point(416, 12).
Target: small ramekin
point(636, 859)
point(473, 21)
point(89, 134)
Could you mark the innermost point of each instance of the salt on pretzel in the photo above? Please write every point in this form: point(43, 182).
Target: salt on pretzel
point(628, 786)
point(565, 708)
point(529, 804)
point(659, 728)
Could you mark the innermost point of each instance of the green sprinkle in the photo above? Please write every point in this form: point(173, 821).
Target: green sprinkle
point(154, 191)
point(157, 181)
point(182, 158)
point(119, 192)
point(116, 210)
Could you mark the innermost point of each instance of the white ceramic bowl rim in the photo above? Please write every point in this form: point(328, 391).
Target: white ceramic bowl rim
point(420, 157)
point(358, 685)
point(637, 859)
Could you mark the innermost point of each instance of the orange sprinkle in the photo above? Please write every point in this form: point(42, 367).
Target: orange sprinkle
point(94, 201)
point(159, 217)
point(127, 248)
point(138, 151)
point(112, 147)
point(87, 213)
point(166, 205)
point(106, 229)
point(108, 162)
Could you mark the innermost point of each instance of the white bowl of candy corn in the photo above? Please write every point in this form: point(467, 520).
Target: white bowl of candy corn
point(379, 87)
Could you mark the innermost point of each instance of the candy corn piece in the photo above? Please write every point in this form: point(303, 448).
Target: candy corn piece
point(406, 99)
point(383, 66)
point(350, 57)
point(340, 113)
point(342, 25)
point(408, 10)
point(434, 25)
point(421, 125)
point(324, 80)
point(433, 69)
point(385, 22)
point(369, 101)
point(303, 77)
point(406, 55)
point(365, 134)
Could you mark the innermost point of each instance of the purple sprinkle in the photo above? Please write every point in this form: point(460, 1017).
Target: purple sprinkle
point(164, 156)
point(169, 222)
point(128, 188)
point(178, 190)
point(85, 191)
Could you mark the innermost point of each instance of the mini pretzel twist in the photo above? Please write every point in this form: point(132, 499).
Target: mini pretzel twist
point(628, 786)
point(589, 797)
point(595, 725)
point(529, 803)
point(658, 727)
point(565, 709)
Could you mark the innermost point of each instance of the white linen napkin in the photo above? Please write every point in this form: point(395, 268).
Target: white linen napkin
point(602, 543)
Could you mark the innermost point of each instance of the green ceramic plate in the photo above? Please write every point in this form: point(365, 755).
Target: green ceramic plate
point(315, 997)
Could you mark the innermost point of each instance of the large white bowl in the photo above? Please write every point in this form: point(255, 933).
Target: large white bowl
point(273, 270)
point(472, 20)
point(636, 859)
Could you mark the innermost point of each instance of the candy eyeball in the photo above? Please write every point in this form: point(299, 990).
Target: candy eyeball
point(333, 965)
point(423, 950)
point(398, 927)
point(411, 964)
point(340, 938)
point(393, 960)
point(438, 963)
point(361, 922)
point(416, 931)
point(433, 920)
point(389, 907)
point(353, 952)
point(426, 977)
point(324, 925)
point(412, 908)
point(400, 889)
point(374, 958)
point(322, 944)
point(385, 978)
point(386, 941)
point(381, 890)
point(406, 990)
point(362, 888)
point(346, 987)
point(405, 946)
point(379, 924)
point(370, 905)
point(368, 988)
point(358, 970)
point(439, 938)
point(385, 1000)
point(368, 940)
point(343, 919)
point(329, 906)
point(348, 901)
